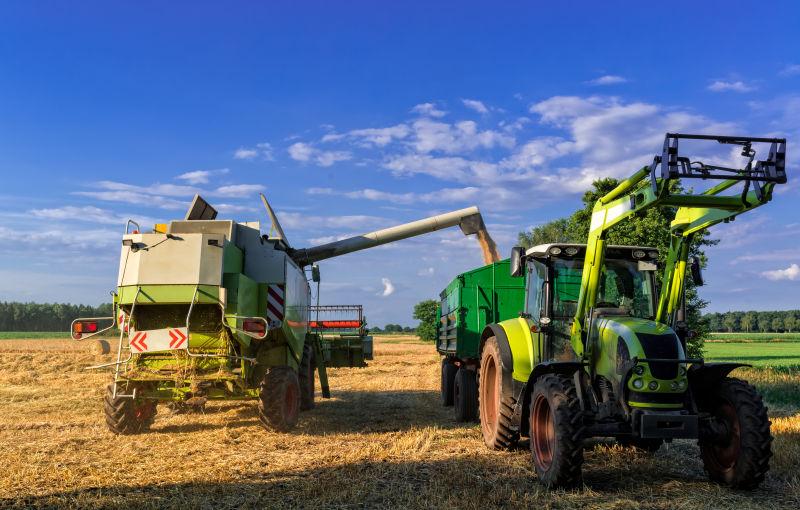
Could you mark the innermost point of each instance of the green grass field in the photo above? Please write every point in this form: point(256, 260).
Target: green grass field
point(754, 337)
point(759, 354)
point(16, 335)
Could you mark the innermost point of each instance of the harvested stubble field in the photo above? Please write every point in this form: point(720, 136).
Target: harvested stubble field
point(382, 441)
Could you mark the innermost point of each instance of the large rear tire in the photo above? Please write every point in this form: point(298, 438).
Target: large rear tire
point(465, 396)
point(305, 377)
point(737, 453)
point(125, 415)
point(556, 430)
point(279, 399)
point(496, 410)
point(449, 370)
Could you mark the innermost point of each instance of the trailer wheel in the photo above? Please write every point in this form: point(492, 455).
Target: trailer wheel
point(465, 395)
point(305, 377)
point(449, 370)
point(556, 430)
point(126, 416)
point(279, 399)
point(495, 410)
point(736, 445)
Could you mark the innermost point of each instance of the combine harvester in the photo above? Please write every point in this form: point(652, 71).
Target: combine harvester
point(563, 342)
point(213, 309)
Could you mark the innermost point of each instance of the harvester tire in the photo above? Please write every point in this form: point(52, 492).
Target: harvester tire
point(305, 376)
point(449, 370)
point(741, 458)
point(556, 430)
point(465, 395)
point(126, 416)
point(496, 411)
point(279, 399)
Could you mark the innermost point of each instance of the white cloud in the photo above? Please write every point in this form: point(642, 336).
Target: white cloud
point(790, 70)
point(427, 271)
point(304, 152)
point(733, 86)
point(237, 190)
point(388, 287)
point(790, 273)
point(88, 213)
point(608, 79)
point(201, 176)
point(428, 109)
point(310, 222)
point(263, 150)
point(163, 196)
point(378, 136)
point(461, 137)
point(474, 104)
point(446, 195)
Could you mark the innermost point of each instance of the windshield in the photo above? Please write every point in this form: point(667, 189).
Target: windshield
point(622, 285)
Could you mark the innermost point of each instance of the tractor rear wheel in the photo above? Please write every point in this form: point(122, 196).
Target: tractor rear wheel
point(305, 377)
point(279, 399)
point(465, 395)
point(125, 415)
point(449, 370)
point(736, 445)
point(496, 410)
point(556, 429)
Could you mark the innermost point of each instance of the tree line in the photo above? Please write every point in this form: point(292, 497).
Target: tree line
point(782, 321)
point(46, 316)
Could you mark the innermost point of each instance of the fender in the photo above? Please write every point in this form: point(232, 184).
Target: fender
point(506, 357)
point(567, 368)
point(709, 374)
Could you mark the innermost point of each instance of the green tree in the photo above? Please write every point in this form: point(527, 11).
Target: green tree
point(789, 322)
point(777, 324)
point(747, 321)
point(730, 322)
point(650, 228)
point(427, 313)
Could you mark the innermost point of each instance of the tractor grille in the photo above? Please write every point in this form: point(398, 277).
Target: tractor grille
point(663, 347)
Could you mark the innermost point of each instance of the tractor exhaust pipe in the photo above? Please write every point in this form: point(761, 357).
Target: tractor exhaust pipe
point(469, 220)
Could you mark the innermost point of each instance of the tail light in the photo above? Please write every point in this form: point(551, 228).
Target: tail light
point(81, 327)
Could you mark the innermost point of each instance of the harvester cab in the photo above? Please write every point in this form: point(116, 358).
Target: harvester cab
point(599, 349)
point(212, 309)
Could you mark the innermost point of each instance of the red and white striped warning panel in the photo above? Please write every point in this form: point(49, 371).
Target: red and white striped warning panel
point(154, 340)
point(275, 298)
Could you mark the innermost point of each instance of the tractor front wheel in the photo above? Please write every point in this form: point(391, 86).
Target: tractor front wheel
point(279, 399)
point(556, 431)
point(125, 415)
point(736, 443)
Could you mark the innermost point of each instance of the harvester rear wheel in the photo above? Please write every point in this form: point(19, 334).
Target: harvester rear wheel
point(279, 399)
point(465, 395)
point(556, 429)
point(496, 410)
point(737, 453)
point(305, 376)
point(449, 370)
point(125, 415)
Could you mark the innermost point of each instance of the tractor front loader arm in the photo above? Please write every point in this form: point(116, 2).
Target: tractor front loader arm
point(695, 212)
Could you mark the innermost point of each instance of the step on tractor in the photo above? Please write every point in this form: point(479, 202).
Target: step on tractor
point(214, 309)
point(565, 342)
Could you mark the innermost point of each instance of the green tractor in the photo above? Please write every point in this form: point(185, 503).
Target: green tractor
point(599, 350)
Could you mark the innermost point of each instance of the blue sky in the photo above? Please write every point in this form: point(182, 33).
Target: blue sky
point(352, 116)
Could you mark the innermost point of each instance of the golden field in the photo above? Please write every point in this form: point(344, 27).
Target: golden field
point(382, 441)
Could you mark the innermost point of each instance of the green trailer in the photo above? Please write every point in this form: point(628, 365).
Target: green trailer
point(473, 300)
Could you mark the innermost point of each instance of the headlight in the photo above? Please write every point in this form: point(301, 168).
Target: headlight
point(674, 385)
point(571, 250)
point(682, 371)
point(638, 384)
point(638, 254)
point(555, 250)
point(652, 254)
point(653, 385)
point(638, 369)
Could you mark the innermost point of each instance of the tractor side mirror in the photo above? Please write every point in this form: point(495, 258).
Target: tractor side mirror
point(697, 273)
point(517, 261)
point(315, 273)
